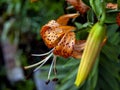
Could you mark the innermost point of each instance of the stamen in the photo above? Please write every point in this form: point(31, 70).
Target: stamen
point(45, 60)
point(43, 53)
point(33, 65)
point(54, 59)
point(47, 81)
point(36, 64)
point(55, 79)
point(54, 69)
point(50, 69)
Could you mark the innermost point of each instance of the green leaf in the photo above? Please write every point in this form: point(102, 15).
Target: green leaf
point(111, 17)
point(111, 30)
point(111, 51)
point(97, 7)
point(111, 67)
point(92, 79)
point(111, 81)
point(90, 16)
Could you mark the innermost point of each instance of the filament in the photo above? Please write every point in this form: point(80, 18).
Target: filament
point(50, 69)
point(54, 59)
point(43, 53)
point(36, 64)
point(33, 65)
point(45, 60)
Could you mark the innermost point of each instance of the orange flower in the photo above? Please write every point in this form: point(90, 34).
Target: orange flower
point(57, 35)
point(61, 38)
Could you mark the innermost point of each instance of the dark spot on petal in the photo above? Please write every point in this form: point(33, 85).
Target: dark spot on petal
point(69, 46)
point(67, 43)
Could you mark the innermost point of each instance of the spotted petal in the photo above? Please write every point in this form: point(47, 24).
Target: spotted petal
point(52, 33)
point(65, 46)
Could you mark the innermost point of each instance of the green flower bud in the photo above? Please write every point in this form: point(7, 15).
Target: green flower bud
point(91, 51)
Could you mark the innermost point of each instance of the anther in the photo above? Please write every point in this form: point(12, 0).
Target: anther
point(47, 82)
point(55, 79)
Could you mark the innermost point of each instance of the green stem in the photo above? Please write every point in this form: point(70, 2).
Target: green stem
point(102, 19)
point(103, 16)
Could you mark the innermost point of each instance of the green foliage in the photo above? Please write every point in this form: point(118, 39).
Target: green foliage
point(20, 21)
point(97, 7)
point(105, 74)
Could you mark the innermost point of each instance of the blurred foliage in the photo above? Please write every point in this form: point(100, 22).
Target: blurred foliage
point(21, 20)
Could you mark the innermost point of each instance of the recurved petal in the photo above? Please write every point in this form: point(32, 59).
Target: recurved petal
point(78, 48)
point(79, 45)
point(76, 54)
point(50, 25)
point(63, 20)
point(79, 5)
point(67, 28)
point(51, 33)
point(53, 24)
point(65, 46)
point(52, 36)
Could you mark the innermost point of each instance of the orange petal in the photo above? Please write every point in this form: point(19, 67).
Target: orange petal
point(76, 54)
point(79, 5)
point(67, 28)
point(78, 48)
point(65, 46)
point(53, 24)
point(52, 36)
point(79, 45)
point(63, 20)
point(51, 33)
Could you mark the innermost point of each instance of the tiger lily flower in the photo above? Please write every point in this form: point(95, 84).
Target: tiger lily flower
point(60, 38)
